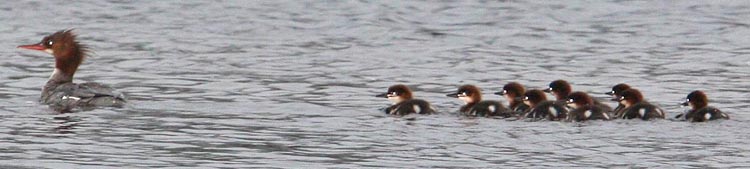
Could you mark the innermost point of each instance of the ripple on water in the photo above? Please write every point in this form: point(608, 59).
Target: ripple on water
point(288, 84)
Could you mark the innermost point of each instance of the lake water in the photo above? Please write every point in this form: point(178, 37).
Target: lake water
point(291, 84)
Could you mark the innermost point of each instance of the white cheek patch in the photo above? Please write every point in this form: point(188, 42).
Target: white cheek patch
point(50, 51)
point(492, 108)
point(465, 99)
point(395, 100)
point(416, 108)
point(573, 105)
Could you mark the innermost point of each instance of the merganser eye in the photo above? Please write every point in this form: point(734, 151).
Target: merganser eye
point(622, 98)
point(394, 93)
point(49, 43)
point(570, 100)
point(526, 98)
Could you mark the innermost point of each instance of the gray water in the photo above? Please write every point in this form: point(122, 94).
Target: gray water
point(291, 84)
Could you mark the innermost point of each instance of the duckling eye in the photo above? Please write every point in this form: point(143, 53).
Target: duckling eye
point(570, 100)
point(526, 98)
point(687, 100)
point(505, 92)
point(622, 97)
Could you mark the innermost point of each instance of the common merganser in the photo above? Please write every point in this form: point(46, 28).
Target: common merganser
point(700, 111)
point(404, 103)
point(583, 108)
point(616, 93)
point(475, 106)
point(635, 107)
point(541, 108)
point(513, 92)
point(561, 89)
point(60, 91)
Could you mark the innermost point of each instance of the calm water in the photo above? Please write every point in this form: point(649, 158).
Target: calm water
point(291, 84)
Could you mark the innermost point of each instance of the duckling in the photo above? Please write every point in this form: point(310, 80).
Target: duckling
point(404, 103)
point(700, 111)
point(616, 93)
point(541, 108)
point(635, 107)
point(583, 108)
point(561, 89)
point(513, 92)
point(475, 106)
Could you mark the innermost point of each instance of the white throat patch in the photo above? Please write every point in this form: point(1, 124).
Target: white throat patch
point(394, 99)
point(466, 99)
point(56, 72)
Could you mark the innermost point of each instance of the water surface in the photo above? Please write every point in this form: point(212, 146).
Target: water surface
point(290, 84)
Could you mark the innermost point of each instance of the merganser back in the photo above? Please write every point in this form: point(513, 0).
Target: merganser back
point(583, 108)
point(404, 103)
point(541, 108)
point(700, 111)
point(561, 89)
point(635, 107)
point(60, 91)
point(475, 106)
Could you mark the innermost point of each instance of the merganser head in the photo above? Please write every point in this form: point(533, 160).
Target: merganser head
point(533, 97)
point(560, 89)
point(617, 91)
point(512, 91)
point(467, 93)
point(397, 93)
point(579, 99)
point(696, 99)
point(67, 51)
point(630, 97)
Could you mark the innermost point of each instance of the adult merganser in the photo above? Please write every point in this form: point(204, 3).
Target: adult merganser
point(541, 108)
point(513, 92)
point(60, 91)
point(583, 108)
point(700, 111)
point(635, 107)
point(475, 106)
point(403, 103)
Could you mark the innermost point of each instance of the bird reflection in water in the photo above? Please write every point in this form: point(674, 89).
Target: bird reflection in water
point(66, 124)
